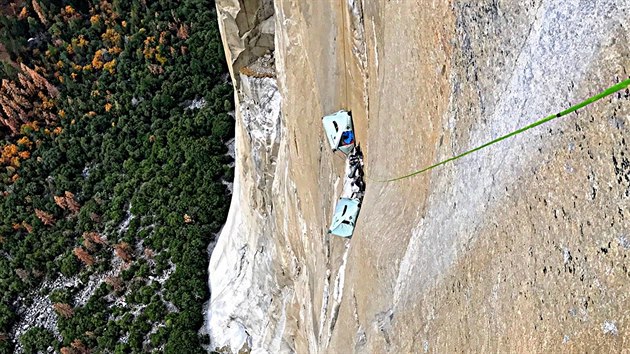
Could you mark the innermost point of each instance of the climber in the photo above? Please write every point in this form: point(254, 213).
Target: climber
point(347, 137)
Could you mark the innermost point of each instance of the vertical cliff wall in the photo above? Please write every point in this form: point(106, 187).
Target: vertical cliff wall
point(243, 280)
point(521, 247)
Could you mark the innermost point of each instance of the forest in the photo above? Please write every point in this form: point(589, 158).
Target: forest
point(110, 177)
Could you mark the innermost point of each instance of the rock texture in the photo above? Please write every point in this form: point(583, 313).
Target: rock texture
point(522, 247)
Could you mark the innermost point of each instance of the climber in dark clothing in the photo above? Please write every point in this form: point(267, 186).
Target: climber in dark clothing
point(347, 137)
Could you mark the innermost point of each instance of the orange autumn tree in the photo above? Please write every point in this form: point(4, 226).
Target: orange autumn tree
point(88, 245)
point(95, 19)
point(72, 203)
point(27, 227)
point(94, 237)
point(84, 256)
point(25, 142)
point(23, 14)
point(9, 155)
point(45, 217)
point(39, 12)
point(69, 10)
point(115, 282)
point(79, 347)
point(67, 201)
point(28, 99)
point(76, 347)
point(123, 251)
point(91, 239)
point(182, 32)
point(64, 310)
point(97, 60)
point(60, 201)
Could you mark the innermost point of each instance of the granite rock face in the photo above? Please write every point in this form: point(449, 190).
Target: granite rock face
point(521, 247)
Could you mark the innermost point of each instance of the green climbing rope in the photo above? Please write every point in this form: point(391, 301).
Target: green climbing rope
point(609, 91)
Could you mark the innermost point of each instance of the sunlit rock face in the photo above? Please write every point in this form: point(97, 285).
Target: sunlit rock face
point(523, 246)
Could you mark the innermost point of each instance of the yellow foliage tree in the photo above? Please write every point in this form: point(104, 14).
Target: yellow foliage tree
point(23, 14)
point(111, 37)
point(24, 141)
point(161, 59)
point(82, 42)
point(8, 152)
point(110, 66)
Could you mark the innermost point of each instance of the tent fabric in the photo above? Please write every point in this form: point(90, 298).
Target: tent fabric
point(338, 128)
point(345, 217)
